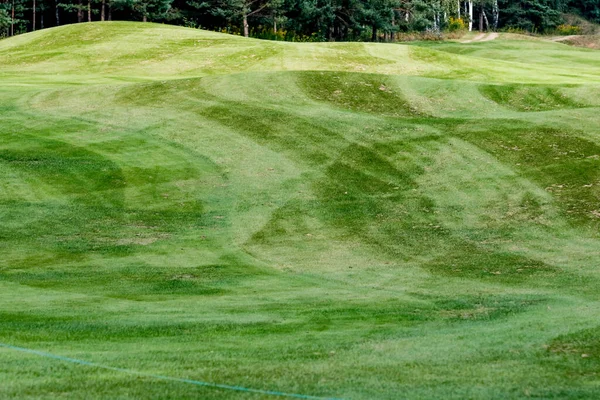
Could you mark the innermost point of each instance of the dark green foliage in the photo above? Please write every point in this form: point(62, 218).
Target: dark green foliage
point(5, 19)
point(530, 15)
point(589, 9)
point(303, 20)
point(146, 10)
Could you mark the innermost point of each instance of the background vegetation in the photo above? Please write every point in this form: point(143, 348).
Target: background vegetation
point(306, 20)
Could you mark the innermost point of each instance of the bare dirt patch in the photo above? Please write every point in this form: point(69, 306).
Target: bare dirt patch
point(483, 37)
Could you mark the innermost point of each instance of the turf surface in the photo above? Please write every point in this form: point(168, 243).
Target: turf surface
point(339, 219)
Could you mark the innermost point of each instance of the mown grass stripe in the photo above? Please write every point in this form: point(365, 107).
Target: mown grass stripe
point(162, 377)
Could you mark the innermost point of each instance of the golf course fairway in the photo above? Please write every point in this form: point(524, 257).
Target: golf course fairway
point(192, 215)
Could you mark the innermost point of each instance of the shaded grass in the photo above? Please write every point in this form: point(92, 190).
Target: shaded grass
point(576, 354)
point(529, 98)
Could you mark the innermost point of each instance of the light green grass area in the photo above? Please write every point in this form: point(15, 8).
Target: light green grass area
point(348, 220)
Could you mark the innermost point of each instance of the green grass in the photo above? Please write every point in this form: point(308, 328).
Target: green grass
point(333, 219)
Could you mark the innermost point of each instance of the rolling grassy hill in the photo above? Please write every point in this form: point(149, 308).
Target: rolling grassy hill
point(342, 220)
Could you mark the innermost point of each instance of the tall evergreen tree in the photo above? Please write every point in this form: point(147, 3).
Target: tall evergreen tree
point(145, 10)
point(530, 15)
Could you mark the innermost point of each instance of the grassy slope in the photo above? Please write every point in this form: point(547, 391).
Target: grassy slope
point(586, 41)
point(349, 220)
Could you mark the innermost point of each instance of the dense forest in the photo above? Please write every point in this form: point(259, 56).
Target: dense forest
point(304, 20)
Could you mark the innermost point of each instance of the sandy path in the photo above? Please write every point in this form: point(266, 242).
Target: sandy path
point(563, 38)
point(476, 38)
point(482, 37)
point(489, 37)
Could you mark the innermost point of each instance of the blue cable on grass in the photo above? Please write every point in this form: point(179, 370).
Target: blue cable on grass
point(162, 377)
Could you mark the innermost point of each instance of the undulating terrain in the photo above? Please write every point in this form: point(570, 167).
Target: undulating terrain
point(348, 220)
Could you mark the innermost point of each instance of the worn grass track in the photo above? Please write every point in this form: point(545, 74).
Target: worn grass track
point(348, 220)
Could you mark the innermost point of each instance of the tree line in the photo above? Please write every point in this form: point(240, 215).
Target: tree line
point(314, 20)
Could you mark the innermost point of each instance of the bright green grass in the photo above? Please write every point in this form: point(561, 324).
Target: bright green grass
point(348, 220)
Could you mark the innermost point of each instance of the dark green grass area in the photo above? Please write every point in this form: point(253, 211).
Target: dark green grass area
point(576, 354)
point(562, 161)
point(342, 220)
point(529, 98)
point(357, 92)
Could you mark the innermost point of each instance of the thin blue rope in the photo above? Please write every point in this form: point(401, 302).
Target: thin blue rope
point(162, 377)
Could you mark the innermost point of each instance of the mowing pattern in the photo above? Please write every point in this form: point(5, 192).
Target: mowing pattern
point(335, 220)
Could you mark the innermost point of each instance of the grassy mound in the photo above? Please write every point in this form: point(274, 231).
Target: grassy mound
point(585, 41)
point(333, 219)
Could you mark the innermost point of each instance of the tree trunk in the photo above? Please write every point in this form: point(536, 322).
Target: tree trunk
point(56, 16)
point(89, 10)
point(496, 14)
point(145, 18)
point(33, 21)
point(12, 19)
point(246, 30)
point(481, 20)
point(79, 11)
point(470, 15)
point(274, 26)
point(109, 11)
point(102, 7)
point(487, 23)
point(374, 35)
point(42, 20)
point(458, 9)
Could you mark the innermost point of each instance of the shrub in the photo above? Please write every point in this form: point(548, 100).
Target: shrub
point(425, 36)
point(568, 30)
point(266, 32)
point(456, 24)
point(518, 31)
